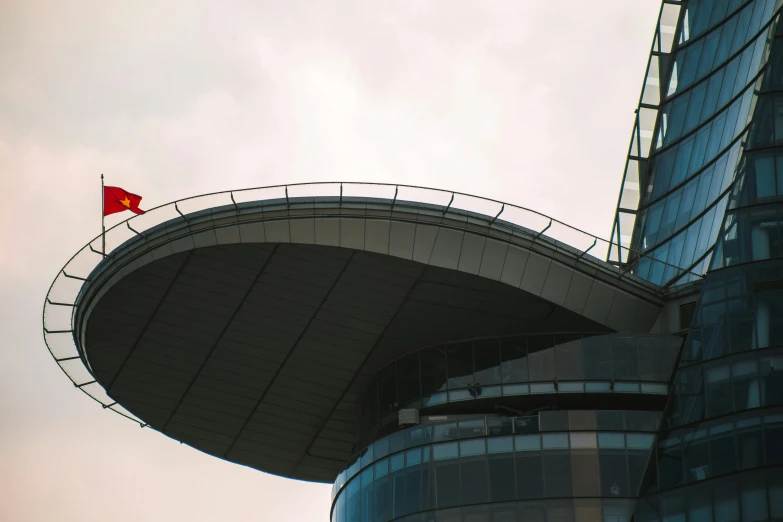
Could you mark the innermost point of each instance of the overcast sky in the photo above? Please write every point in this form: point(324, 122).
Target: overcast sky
point(530, 102)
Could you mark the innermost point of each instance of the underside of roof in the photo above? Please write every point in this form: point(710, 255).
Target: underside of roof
point(250, 345)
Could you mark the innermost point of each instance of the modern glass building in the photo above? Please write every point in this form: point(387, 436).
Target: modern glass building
point(439, 357)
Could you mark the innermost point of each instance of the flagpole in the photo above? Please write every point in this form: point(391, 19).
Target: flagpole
point(103, 219)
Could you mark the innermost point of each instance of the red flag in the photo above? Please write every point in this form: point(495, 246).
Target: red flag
point(116, 200)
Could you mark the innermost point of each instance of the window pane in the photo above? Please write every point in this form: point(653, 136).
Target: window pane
point(475, 482)
point(486, 363)
point(542, 362)
point(387, 390)
point(514, 360)
point(529, 470)
point(614, 475)
point(625, 358)
point(471, 428)
point(597, 358)
point(637, 463)
point(501, 478)
point(584, 471)
point(722, 451)
point(353, 501)
point(460, 362)
point(568, 358)
point(754, 503)
point(557, 474)
point(447, 484)
point(413, 490)
point(773, 436)
point(445, 431)
point(726, 503)
point(433, 370)
point(444, 451)
point(408, 379)
point(749, 443)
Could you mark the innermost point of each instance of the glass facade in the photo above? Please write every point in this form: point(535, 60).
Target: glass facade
point(719, 453)
point(709, 82)
point(569, 363)
point(702, 193)
point(580, 456)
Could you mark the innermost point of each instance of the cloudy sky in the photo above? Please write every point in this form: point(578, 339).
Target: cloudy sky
point(529, 102)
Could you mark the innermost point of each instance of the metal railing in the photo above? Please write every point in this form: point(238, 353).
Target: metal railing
point(59, 311)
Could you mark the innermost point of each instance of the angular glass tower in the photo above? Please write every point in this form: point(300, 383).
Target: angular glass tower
point(711, 200)
point(439, 357)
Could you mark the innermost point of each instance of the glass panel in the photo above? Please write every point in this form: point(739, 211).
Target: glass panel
point(460, 363)
point(584, 472)
point(611, 440)
point(448, 450)
point(610, 420)
point(500, 445)
point(557, 474)
point(699, 506)
point(529, 470)
point(366, 495)
point(486, 362)
point(614, 474)
point(387, 390)
point(353, 500)
point(568, 358)
point(722, 460)
point(433, 370)
point(773, 438)
point(754, 502)
point(471, 428)
point(597, 357)
point(445, 431)
point(554, 420)
point(527, 442)
point(749, 443)
point(502, 477)
point(499, 427)
point(514, 360)
point(408, 379)
point(555, 440)
point(726, 503)
point(413, 489)
point(583, 440)
point(472, 447)
point(541, 358)
point(581, 420)
point(696, 456)
point(447, 480)
point(475, 481)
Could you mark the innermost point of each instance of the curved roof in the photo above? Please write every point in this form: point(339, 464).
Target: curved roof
point(246, 331)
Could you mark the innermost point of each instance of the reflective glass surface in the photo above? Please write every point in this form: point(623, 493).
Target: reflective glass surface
point(756, 496)
point(710, 87)
point(495, 468)
point(502, 428)
point(535, 364)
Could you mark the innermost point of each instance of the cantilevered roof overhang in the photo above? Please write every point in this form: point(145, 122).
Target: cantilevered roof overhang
point(246, 330)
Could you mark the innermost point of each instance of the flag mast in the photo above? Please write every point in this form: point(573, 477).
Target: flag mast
point(103, 218)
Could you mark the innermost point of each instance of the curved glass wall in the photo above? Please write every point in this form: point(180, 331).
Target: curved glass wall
point(722, 434)
point(558, 510)
point(477, 426)
point(745, 497)
point(709, 93)
point(488, 460)
point(525, 365)
point(732, 360)
point(725, 415)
